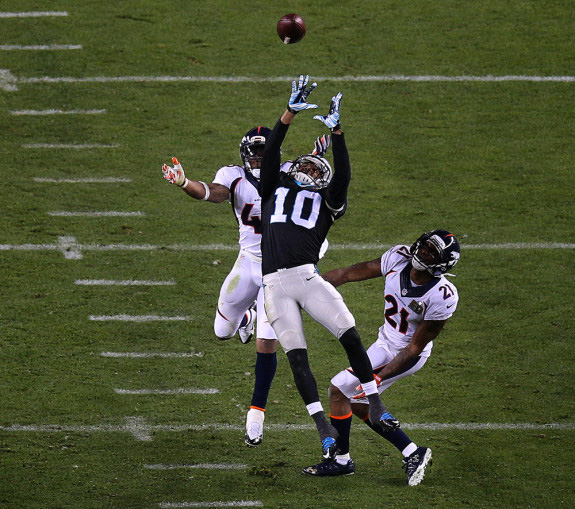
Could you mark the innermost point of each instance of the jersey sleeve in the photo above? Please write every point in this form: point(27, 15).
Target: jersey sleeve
point(443, 301)
point(336, 196)
point(393, 258)
point(271, 160)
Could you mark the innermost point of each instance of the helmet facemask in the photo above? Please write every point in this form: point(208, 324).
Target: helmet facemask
point(252, 149)
point(435, 252)
point(311, 172)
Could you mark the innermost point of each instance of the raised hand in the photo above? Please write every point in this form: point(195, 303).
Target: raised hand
point(331, 120)
point(321, 145)
point(176, 174)
point(299, 92)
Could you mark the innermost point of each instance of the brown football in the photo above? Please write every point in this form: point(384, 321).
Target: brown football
point(291, 28)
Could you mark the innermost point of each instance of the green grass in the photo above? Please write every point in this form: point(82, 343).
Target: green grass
point(489, 161)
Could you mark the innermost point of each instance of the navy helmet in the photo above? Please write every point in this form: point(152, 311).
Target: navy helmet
point(441, 252)
point(252, 149)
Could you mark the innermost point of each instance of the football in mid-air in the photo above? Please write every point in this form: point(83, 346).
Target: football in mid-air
point(291, 28)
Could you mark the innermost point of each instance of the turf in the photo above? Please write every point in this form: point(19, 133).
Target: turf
point(490, 161)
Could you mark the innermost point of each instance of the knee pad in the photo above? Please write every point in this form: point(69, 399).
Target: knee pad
point(223, 329)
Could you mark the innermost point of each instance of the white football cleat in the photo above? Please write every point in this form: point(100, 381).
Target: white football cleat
point(246, 332)
point(254, 427)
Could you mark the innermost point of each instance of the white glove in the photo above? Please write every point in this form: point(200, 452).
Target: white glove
point(176, 174)
point(298, 98)
point(331, 120)
point(321, 145)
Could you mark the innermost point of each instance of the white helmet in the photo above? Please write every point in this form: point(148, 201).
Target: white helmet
point(311, 171)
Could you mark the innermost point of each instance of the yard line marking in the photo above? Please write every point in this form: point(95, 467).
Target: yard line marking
point(38, 47)
point(206, 466)
point(57, 112)
point(68, 145)
point(461, 426)
point(233, 503)
point(139, 429)
point(32, 14)
point(128, 282)
point(165, 392)
point(139, 318)
point(111, 213)
point(88, 180)
point(7, 80)
point(140, 355)
point(72, 250)
point(69, 248)
point(283, 79)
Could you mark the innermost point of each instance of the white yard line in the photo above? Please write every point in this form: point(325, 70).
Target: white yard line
point(128, 282)
point(111, 213)
point(137, 427)
point(57, 112)
point(88, 180)
point(80, 146)
point(164, 392)
point(38, 47)
point(32, 14)
point(139, 318)
point(72, 250)
point(199, 466)
point(148, 355)
point(232, 503)
point(264, 79)
point(10, 82)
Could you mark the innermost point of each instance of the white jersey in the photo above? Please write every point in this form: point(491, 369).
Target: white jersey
point(407, 304)
point(246, 203)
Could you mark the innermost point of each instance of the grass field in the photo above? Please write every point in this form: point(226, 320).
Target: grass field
point(458, 115)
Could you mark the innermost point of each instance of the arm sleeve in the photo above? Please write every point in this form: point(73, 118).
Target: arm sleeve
point(271, 161)
point(336, 196)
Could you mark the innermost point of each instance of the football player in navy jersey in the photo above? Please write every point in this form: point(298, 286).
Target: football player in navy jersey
point(235, 312)
point(298, 209)
point(419, 300)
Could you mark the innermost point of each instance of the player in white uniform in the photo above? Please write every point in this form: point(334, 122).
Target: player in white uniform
point(418, 302)
point(242, 287)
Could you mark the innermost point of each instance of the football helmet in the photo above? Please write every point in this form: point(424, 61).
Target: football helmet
point(252, 149)
point(311, 171)
point(435, 252)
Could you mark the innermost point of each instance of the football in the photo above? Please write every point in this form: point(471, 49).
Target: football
point(291, 28)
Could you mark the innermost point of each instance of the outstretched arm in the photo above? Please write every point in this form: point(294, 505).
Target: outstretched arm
point(271, 160)
point(197, 189)
point(358, 272)
point(337, 189)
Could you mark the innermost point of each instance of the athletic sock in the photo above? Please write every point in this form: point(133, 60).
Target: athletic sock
point(343, 426)
point(397, 437)
point(266, 364)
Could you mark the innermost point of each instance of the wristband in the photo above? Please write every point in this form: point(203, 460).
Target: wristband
point(185, 183)
point(207, 190)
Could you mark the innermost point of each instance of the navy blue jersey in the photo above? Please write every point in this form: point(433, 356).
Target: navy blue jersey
point(296, 220)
